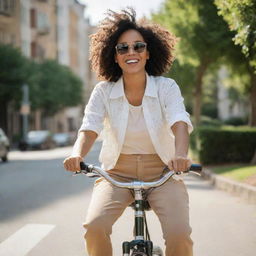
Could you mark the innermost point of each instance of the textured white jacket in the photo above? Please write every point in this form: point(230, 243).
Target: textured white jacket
point(108, 110)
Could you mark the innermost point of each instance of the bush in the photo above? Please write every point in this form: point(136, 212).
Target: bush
point(208, 121)
point(236, 121)
point(214, 145)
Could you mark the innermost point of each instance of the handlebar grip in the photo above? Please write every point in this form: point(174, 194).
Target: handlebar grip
point(86, 167)
point(195, 168)
point(83, 166)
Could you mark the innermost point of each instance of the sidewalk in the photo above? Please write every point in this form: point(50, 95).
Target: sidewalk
point(245, 191)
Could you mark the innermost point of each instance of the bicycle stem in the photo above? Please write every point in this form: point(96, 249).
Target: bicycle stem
point(139, 215)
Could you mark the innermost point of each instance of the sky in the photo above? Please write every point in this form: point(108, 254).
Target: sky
point(95, 9)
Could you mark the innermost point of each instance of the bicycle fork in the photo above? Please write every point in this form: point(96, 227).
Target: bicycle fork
point(139, 246)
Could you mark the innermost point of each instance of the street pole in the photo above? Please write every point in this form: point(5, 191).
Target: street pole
point(25, 110)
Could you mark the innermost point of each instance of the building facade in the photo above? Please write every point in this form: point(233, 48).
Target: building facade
point(49, 29)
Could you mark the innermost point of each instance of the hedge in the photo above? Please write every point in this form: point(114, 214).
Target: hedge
point(215, 145)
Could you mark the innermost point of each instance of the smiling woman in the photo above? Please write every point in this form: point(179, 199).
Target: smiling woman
point(139, 111)
point(106, 43)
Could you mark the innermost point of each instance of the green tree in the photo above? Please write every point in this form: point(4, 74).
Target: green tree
point(204, 38)
point(13, 74)
point(241, 17)
point(54, 87)
point(184, 75)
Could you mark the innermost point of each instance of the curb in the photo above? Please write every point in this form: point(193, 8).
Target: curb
point(242, 190)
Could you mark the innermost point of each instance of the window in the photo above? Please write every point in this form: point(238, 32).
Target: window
point(7, 7)
point(33, 18)
point(42, 21)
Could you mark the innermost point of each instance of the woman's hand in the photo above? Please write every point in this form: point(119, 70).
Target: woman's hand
point(72, 163)
point(179, 163)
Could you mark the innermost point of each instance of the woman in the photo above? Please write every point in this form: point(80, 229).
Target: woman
point(146, 127)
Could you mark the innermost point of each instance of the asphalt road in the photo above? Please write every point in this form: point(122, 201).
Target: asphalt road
point(42, 208)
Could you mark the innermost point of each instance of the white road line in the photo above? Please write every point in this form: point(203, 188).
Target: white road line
point(21, 242)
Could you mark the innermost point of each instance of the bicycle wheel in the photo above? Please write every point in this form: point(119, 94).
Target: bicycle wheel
point(157, 251)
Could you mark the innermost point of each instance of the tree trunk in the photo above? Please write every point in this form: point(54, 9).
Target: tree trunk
point(198, 92)
point(252, 118)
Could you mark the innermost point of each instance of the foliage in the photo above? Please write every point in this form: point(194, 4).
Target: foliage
point(184, 75)
point(13, 73)
point(202, 33)
point(241, 17)
point(53, 87)
point(204, 37)
point(224, 144)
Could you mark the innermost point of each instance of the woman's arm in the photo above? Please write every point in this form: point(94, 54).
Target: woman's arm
point(82, 146)
point(180, 161)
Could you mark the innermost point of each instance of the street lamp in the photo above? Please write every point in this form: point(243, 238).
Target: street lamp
point(25, 110)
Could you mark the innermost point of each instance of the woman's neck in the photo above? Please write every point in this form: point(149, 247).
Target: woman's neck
point(134, 82)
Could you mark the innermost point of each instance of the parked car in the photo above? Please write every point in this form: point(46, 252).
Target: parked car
point(4, 146)
point(62, 139)
point(40, 140)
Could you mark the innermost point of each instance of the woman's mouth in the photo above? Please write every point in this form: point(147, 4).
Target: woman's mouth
point(132, 61)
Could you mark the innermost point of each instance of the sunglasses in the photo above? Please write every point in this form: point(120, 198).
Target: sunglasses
point(123, 48)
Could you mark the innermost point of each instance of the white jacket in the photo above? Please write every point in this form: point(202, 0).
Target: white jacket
point(108, 110)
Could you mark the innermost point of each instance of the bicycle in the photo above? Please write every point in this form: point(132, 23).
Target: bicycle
point(141, 245)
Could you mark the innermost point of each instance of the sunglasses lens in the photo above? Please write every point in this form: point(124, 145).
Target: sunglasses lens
point(122, 48)
point(139, 47)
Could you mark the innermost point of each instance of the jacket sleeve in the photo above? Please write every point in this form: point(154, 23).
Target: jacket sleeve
point(94, 113)
point(173, 105)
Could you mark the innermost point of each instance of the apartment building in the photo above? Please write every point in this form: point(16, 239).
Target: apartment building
point(49, 29)
point(73, 48)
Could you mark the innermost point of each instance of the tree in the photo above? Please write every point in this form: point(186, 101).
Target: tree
point(204, 37)
point(241, 17)
point(13, 74)
point(54, 87)
point(184, 75)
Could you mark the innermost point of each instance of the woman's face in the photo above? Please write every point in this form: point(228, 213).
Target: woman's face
point(131, 52)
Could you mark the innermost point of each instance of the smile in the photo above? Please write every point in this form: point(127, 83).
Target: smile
point(131, 61)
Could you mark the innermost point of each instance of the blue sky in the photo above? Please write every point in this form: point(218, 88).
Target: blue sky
point(96, 8)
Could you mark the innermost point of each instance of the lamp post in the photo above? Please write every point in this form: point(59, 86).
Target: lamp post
point(25, 110)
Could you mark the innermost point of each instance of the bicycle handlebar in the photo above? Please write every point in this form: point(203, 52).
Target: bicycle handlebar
point(85, 168)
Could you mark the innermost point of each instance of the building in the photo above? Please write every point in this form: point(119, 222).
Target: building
point(49, 29)
point(73, 49)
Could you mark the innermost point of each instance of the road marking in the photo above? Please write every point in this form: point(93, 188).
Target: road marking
point(21, 242)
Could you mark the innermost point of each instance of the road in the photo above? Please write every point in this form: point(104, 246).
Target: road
point(42, 208)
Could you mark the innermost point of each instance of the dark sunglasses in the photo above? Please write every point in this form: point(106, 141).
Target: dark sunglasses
point(123, 48)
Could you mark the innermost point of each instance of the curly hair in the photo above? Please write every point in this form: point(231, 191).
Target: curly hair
point(160, 44)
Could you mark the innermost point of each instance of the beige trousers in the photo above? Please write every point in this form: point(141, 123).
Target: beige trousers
point(169, 202)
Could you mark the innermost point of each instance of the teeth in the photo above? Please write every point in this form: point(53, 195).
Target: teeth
point(131, 61)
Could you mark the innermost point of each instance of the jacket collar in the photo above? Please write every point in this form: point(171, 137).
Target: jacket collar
point(118, 88)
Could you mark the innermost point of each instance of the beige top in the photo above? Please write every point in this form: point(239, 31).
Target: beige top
point(137, 139)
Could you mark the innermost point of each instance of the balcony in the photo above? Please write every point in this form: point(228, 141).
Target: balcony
point(43, 31)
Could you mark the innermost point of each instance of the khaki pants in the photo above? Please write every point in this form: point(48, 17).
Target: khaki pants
point(169, 202)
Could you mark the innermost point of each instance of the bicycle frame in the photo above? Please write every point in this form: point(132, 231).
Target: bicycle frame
point(139, 246)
